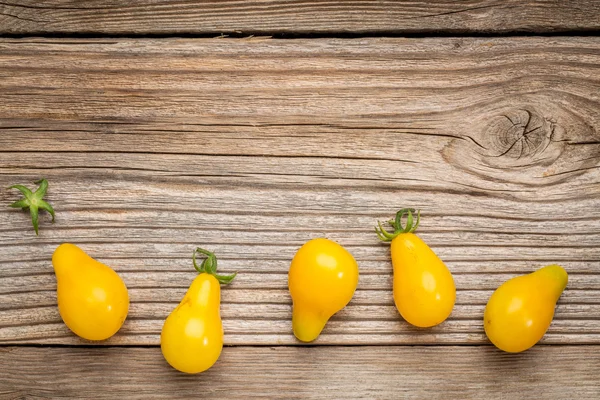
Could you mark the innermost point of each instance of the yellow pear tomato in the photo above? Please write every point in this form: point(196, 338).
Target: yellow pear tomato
point(192, 336)
point(322, 279)
point(92, 299)
point(424, 290)
point(520, 311)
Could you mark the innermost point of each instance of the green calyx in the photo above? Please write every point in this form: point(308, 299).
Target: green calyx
point(34, 201)
point(209, 266)
point(411, 224)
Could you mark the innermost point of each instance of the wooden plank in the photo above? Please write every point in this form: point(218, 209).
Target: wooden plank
point(298, 17)
point(342, 372)
point(252, 147)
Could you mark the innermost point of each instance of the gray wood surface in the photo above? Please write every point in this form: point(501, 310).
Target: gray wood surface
point(544, 372)
point(250, 147)
point(296, 17)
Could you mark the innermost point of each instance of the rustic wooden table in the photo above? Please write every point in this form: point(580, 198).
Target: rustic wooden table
point(303, 119)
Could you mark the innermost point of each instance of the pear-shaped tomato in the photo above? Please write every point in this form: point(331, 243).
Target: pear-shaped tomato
point(92, 299)
point(520, 311)
point(322, 279)
point(192, 335)
point(424, 290)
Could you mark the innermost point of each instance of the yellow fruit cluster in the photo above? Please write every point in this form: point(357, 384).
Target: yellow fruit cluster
point(93, 300)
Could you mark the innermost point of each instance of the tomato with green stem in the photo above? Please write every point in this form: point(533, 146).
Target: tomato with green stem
point(424, 290)
point(192, 335)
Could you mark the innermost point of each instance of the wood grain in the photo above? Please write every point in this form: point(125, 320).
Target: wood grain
point(252, 147)
point(547, 372)
point(296, 17)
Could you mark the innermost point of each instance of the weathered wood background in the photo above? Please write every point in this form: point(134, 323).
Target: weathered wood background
point(251, 146)
point(294, 17)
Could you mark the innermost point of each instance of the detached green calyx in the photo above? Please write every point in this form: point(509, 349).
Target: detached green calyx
point(209, 266)
point(411, 225)
point(33, 201)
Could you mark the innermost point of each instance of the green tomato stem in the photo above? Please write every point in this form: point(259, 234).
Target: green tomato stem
point(34, 201)
point(396, 223)
point(209, 266)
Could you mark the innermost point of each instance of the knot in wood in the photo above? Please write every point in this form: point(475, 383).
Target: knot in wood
point(527, 144)
point(521, 135)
